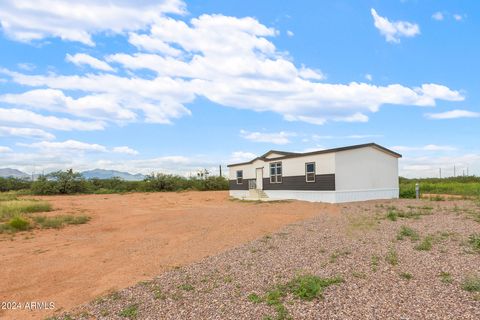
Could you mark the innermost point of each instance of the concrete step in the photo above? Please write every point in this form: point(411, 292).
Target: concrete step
point(257, 194)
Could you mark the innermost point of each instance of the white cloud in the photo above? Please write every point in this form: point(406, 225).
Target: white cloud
point(5, 149)
point(26, 66)
point(290, 33)
point(438, 16)
point(125, 150)
point(430, 166)
point(76, 146)
point(80, 59)
point(428, 147)
point(28, 117)
point(393, 31)
point(241, 156)
point(458, 17)
point(307, 73)
point(453, 114)
point(351, 136)
point(25, 133)
point(29, 20)
point(68, 145)
point(275, 138)
point(230, 61)
point(369, 77)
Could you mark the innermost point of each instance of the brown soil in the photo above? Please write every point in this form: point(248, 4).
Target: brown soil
point(130, 238)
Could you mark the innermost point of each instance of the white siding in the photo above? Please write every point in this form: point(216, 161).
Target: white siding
point(324, 164)
point(248, 170)
point(274, 155)
point(365, 169)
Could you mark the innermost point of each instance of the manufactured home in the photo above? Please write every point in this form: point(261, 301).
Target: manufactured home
point(353, 173)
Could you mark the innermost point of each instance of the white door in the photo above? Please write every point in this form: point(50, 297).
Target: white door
point(259, 173)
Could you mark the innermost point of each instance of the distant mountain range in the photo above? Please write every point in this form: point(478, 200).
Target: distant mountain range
point(14, 173)
point(107, 174)
point(89, 174)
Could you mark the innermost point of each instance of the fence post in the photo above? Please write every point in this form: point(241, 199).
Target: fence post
point(417, 190)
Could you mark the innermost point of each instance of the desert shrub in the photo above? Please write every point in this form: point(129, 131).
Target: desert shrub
point(58, 222)
point(474, 241)
point(19, 223)
point(426, 244)
point(13, 184)
point(309, 287)
point(13, 208)
point(471, 283)
point(407, 232)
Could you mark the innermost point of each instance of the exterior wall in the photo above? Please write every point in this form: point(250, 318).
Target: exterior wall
point(322, 196)
point(349, 175)
point(324, 164)
point(311, 196)
point(293, 175)
point(365, 169)
point(322, 182)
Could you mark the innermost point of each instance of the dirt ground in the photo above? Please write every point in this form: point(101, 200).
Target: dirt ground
point(130, 238)
point(392, 259)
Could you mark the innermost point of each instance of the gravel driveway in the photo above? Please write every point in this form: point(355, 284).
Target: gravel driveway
point(387, 272)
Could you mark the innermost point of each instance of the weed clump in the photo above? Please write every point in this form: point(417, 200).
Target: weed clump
point(407, 232)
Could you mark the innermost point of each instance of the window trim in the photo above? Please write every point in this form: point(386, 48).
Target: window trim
point(276, 175)
point(239, 178)
point(306, 172)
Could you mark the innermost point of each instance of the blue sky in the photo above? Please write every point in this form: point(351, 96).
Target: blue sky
point(174, 86)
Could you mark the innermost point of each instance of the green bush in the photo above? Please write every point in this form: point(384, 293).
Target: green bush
point(464, 186)
point(20, 224)
point(70, 182)
point(14, 184)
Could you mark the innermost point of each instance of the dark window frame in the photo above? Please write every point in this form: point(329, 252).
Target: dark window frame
point(310, 172)
point(239, 177)
point(276, 177)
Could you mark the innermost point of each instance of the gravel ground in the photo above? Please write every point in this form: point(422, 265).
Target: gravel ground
point(353, 243)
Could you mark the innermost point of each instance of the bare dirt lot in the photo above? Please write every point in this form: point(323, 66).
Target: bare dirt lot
point(130, 238)
point(393, 259)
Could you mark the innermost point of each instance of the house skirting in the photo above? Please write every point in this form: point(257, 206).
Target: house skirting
point(324, 196)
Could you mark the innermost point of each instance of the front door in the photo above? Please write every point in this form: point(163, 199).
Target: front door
point(259, 175)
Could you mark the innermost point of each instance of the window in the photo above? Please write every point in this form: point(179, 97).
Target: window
point(276, 172)
point(239, 176)
point(310, 171)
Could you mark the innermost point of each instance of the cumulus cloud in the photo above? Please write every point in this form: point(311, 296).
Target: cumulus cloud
point(227, 60)
point(29, 20)
point(80, 59)
point(75, 146)
point(394, 30)
point(428, 147)
point(70, 145)
point(458, 17)
point(25, 133)
point(25, 117)
point(351, 136)
point(430, 166)
point(453, 114)
point(438, 16)
point(125, 150)
point(4, 149)
point(275, 138)
point(241, 156)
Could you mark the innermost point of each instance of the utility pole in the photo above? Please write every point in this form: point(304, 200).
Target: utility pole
point(440, 170)
point(454, 171)
point(220, 169)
